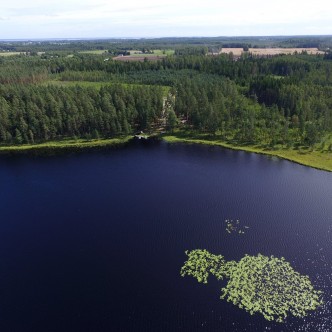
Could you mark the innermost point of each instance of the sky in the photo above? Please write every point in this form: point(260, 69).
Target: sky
point(42, 19)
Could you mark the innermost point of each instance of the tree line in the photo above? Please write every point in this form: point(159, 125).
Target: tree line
point(256, 100)
point(33, 113)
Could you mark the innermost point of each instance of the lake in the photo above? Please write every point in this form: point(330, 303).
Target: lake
point(95, 241)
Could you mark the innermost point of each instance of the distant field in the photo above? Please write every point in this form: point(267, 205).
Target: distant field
point(98, 52)
point(155, 53)
point(9, 53)
point(271, 51)
point(135, 55)
point(149, 57)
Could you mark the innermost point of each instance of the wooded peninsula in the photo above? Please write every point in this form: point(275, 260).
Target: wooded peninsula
point(56, 94)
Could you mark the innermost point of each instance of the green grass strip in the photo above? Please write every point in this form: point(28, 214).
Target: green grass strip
point(68, 144)
point(315, 159)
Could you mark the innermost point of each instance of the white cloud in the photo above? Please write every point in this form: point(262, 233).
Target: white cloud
point(104, 18)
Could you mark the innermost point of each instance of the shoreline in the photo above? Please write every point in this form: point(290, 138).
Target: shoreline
point(306, 159)
point(312, 159)
point(64, 145)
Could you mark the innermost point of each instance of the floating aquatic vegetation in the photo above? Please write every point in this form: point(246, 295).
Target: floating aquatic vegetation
point(234, 226)
point(270, 286)
point(200, 263)
point(258, 284)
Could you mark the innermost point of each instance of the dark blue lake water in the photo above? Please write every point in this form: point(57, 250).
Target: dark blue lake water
point(95, 241)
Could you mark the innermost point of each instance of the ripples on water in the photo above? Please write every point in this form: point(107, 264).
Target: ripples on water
point(95, 241)
point(320, 261)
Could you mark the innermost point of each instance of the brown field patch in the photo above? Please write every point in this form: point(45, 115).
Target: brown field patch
point(235, 51)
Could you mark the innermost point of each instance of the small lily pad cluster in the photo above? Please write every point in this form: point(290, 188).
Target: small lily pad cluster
point(234, 226)
point(258, 284)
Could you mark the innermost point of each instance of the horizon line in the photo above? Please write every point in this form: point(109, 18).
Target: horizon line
point(160, 37)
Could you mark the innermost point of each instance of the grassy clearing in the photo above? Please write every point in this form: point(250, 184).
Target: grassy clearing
point(67, 144)
point(316, 159)
point(98, 85)
point(85, 84)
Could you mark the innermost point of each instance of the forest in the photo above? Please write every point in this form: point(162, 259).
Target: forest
point(271, 101)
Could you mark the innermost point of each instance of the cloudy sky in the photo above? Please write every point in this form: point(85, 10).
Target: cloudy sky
point(20, 19)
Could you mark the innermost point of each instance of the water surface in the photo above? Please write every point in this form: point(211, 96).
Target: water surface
point(95, 241)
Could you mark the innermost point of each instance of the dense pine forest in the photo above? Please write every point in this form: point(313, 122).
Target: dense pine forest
point(281, 100)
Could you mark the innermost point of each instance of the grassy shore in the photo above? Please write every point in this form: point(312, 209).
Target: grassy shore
point(316, 159)
point(64, 145)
